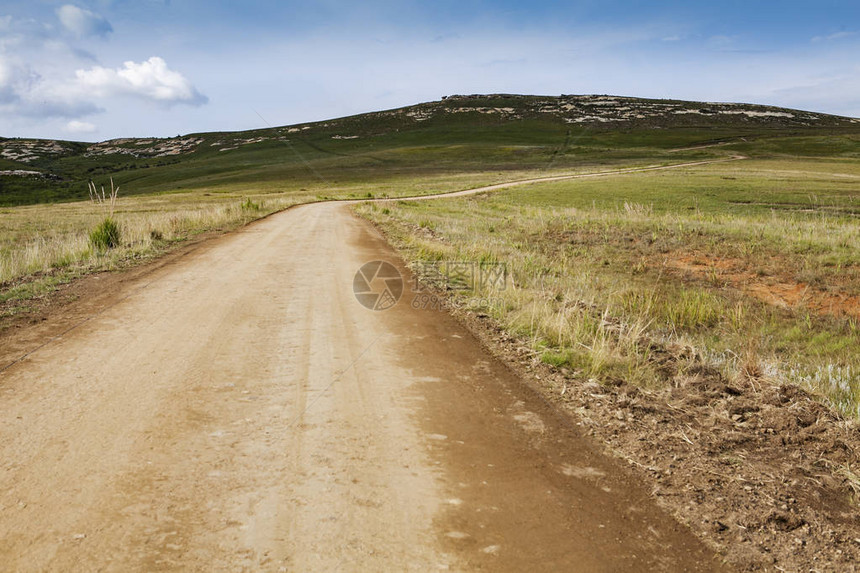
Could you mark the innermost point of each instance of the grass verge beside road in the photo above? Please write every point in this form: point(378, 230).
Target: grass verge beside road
point(747, 267)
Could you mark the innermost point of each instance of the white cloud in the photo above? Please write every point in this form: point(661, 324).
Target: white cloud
point(26, 93)
point(82, 22)
point(721, 42)
point(832, 37)
point(151, 80)
point(76, 126)
point(54, 93)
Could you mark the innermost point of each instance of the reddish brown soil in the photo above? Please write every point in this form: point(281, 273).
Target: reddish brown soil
point(777, 291)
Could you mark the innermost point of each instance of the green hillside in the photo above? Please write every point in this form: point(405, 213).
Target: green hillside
point(458, 133)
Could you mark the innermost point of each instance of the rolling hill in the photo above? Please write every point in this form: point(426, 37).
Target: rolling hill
point(459, 132)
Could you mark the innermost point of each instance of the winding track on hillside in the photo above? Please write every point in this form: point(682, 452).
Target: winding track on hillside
point(239, 410)
point(552, 178)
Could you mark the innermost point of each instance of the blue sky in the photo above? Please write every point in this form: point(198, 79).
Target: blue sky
point(98, 69)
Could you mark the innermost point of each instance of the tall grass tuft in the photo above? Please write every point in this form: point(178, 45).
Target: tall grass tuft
point(107, 234)
point(249, 205)
point(107, 202)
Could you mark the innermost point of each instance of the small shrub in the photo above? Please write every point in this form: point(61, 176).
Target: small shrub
point(248, 205)
point(107, 235)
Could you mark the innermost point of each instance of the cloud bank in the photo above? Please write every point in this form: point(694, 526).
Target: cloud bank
point(151, 80)
point(53, 73)
point(24, 92)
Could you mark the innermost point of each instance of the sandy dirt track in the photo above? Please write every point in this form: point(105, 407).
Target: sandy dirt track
point(239, 410)
point(553, 178)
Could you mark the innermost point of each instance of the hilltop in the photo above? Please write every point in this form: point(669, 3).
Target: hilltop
point(498, 131)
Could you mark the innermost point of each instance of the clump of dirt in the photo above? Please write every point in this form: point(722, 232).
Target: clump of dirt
point(759, 470)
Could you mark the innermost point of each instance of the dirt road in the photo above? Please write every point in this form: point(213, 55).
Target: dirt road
point(239, 410)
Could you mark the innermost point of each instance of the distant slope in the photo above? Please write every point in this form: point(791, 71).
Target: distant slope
point(457, 133)
point(604, 110)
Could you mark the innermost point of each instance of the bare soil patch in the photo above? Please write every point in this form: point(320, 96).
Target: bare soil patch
point(778, 291)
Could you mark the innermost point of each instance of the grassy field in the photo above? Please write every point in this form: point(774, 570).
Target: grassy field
point(749, 266)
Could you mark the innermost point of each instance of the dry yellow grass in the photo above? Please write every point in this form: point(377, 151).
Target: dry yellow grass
point(49, 238)
point(606, 273)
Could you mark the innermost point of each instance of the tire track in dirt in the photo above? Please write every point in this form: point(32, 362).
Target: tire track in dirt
point(553, 178)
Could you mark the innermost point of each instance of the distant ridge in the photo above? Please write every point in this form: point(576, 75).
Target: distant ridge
point(494, 131)
point(594, 111)
point(603, 109)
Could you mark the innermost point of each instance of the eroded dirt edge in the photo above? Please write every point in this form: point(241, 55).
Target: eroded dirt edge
point(760, 471)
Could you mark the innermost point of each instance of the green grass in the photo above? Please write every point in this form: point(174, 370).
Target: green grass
point(106, 235)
